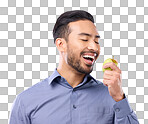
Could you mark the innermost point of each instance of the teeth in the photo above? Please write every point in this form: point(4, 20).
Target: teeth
point(87, 56)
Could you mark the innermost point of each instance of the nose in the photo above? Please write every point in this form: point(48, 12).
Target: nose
point(93, 46)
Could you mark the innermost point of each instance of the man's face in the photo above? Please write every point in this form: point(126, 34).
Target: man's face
point(83, 46)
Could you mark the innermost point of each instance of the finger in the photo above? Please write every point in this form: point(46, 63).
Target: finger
point(107, 77)
point(112, 66)
point(108, 72)
point(112, 73)
point(105, 82)
point(111, 79)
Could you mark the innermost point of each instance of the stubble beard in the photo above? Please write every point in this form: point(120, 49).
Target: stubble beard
point(76, 63)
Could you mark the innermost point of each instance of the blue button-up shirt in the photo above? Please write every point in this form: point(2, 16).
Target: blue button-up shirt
point(54, 101)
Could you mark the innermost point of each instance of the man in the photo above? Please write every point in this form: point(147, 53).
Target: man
point(70, 95)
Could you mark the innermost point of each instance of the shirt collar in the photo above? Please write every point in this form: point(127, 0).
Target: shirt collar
point(55, 74)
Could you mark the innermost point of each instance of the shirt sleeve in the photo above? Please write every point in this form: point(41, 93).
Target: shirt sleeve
point(123, 113)
point(17, 114)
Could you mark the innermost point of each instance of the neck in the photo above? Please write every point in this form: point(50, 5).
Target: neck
point(72, 76)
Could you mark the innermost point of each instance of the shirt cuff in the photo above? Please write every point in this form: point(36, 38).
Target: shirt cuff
point(122, 108)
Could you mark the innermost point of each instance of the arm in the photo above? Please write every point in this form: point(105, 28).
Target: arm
point(124, 114)
point(112, 79)
point(18, 115)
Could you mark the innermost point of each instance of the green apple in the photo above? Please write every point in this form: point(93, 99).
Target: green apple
point(107, 61)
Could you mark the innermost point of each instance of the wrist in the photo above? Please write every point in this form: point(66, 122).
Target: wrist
point(119, 98)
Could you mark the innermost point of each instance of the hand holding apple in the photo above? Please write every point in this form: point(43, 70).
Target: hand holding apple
point(107, 61)
point(112, 79)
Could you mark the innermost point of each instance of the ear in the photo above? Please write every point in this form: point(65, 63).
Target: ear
point(61, 44)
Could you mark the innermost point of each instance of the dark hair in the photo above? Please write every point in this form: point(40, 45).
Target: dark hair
point(61, 28)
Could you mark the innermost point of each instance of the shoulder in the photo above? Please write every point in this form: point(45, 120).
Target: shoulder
point(37, 87)
point(34, 92)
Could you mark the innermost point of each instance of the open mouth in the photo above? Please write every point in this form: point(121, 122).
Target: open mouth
point(89, 59)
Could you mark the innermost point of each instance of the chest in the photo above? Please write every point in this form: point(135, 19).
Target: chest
point(74, 107)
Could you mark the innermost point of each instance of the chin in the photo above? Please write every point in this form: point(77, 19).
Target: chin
point(88, 70)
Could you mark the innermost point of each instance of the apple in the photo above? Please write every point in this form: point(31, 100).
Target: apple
point(107, 61)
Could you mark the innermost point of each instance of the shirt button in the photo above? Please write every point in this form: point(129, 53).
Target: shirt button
point(117, 110)
point(74, 107)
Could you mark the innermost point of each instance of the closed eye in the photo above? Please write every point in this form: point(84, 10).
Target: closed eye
point(96, 42)
point(84, 40)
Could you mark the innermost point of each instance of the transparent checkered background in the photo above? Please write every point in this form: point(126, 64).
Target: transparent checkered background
point(28, 54)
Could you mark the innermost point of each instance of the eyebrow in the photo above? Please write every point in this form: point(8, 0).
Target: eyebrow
point(86, 34)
